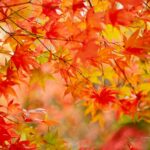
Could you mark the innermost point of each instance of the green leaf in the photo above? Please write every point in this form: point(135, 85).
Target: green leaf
point(43, 58)
point(54, 141)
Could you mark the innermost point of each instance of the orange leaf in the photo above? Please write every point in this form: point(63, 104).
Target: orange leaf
point(24, 58)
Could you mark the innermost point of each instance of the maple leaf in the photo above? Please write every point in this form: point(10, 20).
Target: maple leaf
point(3, 12)
point(104, 96)
point(15, 2)
point(50, 7)
point(87, 51)
point(6, 88)
point(50, 122)
point(130, 3)
point(39, 77)
point(13, 76)
point(53, 30)
point(105, 55)
point(78, 4)
point(5, 134)
point(137, 45)
point(59, 30)
point(34, 115)
point(94, 20)
point(130, 106)
point(13, 108)
point(120, 17)
point(92, 31)
point(22, 145)
point(24, 59)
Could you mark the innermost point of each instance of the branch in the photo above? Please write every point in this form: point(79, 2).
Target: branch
point(125, 77)
point(14, 5)
point(90, 3)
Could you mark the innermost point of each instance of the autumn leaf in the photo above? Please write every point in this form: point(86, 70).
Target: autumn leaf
point(13, 108)
point(50, 122)
point(100, 6)
point(24, 58)
point(39, 77)
point(50, 7)
point(93, 20)
point(97, 50)
point(54, 140)
point(22, 145)
point(5, 134)
point(130, 106)
point(130, 3)
point(88, 51)
point(105, 55)
point(78, 4)
point(5, 51)
point(137, 45)
point(120, 17)
point(6, 88)
point(104, 96)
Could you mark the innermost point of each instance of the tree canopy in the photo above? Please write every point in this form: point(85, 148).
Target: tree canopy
point(97, 51)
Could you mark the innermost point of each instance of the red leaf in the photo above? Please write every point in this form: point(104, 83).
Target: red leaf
point(121, 17)
point(53, 30)
point(78, 4)
point(50, 7)
point(138, 45)
point(129, 106)
point(6, 88)
point(22, 145)
point(104, 96)
point(4, 135)
point(13, 108)
point(94, 20)
point(129, 3)
point(24, 58)
point(87, 51)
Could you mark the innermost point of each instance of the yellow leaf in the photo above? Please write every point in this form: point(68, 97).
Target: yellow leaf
point(100, 6)
point(112, 34)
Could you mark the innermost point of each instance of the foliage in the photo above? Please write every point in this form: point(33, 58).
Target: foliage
point(101, 51)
